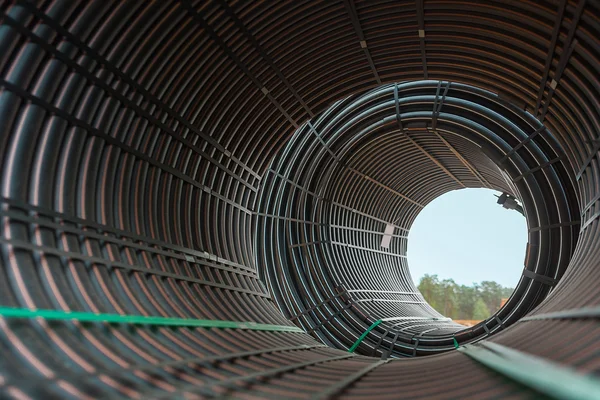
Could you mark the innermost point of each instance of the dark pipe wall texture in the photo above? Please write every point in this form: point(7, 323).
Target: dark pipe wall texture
point(377, 159)
point(239, 161)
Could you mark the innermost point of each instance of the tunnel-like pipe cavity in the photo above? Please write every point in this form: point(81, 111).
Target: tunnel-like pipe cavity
point(211, 198)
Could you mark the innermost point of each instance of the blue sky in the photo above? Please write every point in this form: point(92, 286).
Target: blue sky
point(466, 236)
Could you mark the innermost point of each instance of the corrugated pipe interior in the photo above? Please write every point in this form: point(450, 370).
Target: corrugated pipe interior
point(212, 198)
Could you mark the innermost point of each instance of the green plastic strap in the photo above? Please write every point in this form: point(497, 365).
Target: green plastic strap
point(9, 312)
point(364, 335)
point(544, 376)
point(455, 342)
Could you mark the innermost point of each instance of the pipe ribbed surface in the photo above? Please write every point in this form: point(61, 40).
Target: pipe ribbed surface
point(173, 161)
point(375, 160)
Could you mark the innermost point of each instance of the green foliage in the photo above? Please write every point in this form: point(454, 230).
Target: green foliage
point(448, 296)
point(507, 292)
point(475, 302)
point(467, 298)
point(429, 286)
point(491, 293)
point(480, 310)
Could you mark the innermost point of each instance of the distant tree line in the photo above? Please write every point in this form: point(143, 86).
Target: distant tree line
point(462, 302)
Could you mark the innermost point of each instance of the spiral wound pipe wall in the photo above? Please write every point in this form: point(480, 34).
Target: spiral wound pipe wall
point(194, 196)
point(325, 204)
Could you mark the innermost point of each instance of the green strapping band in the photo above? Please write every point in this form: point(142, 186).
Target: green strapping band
point(364, 335)
point(9, 312)
point(455, 342)
point(544, 376)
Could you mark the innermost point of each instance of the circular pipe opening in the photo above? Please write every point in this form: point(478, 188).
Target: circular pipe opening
point(466, 253)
